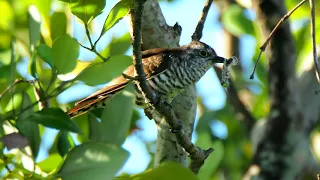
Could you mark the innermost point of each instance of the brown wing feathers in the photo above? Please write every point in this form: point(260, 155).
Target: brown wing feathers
point(153, 63)
point(93, 100)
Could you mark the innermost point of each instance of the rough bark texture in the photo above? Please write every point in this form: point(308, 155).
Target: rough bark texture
point(156, 33)
point(282, 147)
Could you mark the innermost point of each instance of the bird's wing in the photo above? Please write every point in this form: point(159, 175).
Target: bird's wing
point(93, 100)
point(156, 61)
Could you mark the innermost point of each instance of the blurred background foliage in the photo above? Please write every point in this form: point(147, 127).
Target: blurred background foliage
point(39, 59)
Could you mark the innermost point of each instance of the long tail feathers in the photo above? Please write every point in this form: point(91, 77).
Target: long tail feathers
point(96, 100)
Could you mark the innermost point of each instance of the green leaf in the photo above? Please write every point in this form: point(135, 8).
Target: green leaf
point(213, 161)
point(44, 7)
point(65, 142)
point(115, 120)
point(34, 22)
point(54, 118)
point(6, 21)
point(4, 78)
point(51, 163)
point(27, 128)
point(45, 53)
point(33, 66)
point(93, 160)
point(15, 102)
point(65, 51)
point(100, 73)
point(58, 25)
point(236, 23)
point(86, 10)
point(83, 123)
point(121, 9)
point(167, 171)
point(117, 46)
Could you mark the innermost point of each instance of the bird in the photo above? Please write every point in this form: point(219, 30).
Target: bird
point(169, 71)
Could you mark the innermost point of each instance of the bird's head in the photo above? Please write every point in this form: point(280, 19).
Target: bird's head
point(203, 53)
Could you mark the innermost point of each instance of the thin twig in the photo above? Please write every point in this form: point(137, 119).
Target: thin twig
point(12, 69)
point(88, 35)
point(96, 42)
point(100, 56)
point(54, 93)
point(85, 47)
point(197, 155)
point(96, 52)
point(15, 83)
point(198, 32)
point(263, 47)
point(130, 77)
point(93, 46)
point(52, 79)
point(313, 34)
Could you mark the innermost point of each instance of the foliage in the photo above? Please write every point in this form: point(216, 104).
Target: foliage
point(89, 146)
point(30, 107)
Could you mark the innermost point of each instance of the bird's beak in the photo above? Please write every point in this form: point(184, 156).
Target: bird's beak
point(218, 59)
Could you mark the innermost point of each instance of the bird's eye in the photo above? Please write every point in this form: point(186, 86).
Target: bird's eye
point(203, 53)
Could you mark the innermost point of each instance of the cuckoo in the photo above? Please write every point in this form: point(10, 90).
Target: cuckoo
point(168, 72)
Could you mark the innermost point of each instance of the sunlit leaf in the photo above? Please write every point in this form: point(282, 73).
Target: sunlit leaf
point(116, 14)
point(54, 118)
point(115, 120)
point(65, 51)
point(235, 22)
point(98, 160)
point(15, 102)
point(44, 7)
point(100, 73)
point(58, 25)
point(34, 20)
point(6, 22)
point(86, 10)
point(51, 163)
point(117, 46)
point(168, 171)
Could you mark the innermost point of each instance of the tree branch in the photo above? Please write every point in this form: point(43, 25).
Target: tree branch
point(197, 155)
point(196, 36)
point(313, 34)
point(265, 44)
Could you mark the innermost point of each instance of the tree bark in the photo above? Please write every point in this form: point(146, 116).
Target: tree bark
point(157, 34)
point(281, 146)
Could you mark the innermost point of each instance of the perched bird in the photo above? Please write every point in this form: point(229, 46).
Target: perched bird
point(168, 72)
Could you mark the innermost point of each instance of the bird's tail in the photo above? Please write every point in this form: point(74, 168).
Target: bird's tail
point(98, 99)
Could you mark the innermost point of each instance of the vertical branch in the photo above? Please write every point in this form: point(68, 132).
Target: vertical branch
point(157, 34)
point(196, 36)
point(137, 61)
point(313, 34)
point(197, 155)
